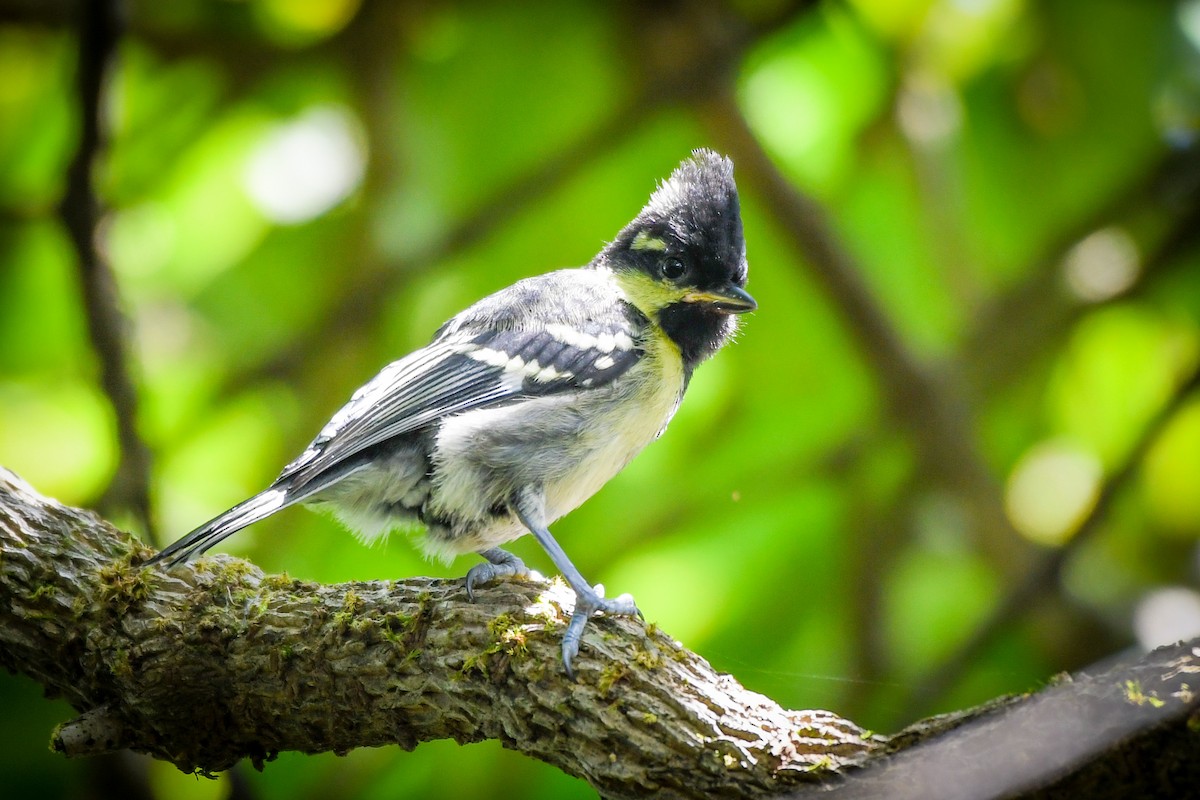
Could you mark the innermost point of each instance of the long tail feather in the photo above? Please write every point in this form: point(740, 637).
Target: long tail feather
point(259, 507)
point(279, 496)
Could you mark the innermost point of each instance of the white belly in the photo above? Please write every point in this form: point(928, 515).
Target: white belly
point(570, 445)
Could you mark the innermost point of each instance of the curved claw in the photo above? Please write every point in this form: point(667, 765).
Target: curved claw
point(586, 604)
point(571, 640)
point(480, 573)
point(529, 503)
point(499, 564)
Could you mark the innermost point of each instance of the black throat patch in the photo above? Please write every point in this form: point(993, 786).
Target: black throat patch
point(698, 331)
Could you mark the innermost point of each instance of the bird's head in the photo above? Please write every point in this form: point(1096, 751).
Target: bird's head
point(682, 260)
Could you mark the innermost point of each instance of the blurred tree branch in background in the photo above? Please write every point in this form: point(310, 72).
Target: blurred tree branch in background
point(365, 298)
point(99, 32)
point(1046, 572)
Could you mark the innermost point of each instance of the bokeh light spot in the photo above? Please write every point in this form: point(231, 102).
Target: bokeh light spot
point(305, 167)
point(1102, 265)
point(1167, 615)
point(1051, 489)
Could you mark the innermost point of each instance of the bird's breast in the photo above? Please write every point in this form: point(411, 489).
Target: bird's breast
point(621, 426)
point(569, 444)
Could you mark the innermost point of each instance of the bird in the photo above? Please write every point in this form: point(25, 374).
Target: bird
point(526, 403)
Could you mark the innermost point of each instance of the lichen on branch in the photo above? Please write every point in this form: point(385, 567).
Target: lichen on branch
point(212, 662)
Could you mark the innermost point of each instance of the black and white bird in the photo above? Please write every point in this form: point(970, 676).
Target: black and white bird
point(529, 401)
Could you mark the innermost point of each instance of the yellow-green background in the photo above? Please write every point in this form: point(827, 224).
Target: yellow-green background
point(786, 527)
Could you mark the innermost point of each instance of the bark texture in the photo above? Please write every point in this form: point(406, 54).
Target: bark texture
point(1127, 730)
point(215, 661)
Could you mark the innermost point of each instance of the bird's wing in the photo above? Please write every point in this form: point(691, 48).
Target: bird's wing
point(465, 370)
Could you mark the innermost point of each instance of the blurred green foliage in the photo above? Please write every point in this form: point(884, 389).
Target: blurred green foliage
point(297, 192)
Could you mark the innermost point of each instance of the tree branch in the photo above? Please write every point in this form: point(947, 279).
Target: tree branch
point(1123, 731)
point(217, 662)
point(1161, 208)
point(1046, 571)
point(929, 403)
point(214, 662)
point(717, 50)
point(98, 32)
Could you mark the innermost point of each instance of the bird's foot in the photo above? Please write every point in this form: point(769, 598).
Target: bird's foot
point(499, 564)
point(589, 600)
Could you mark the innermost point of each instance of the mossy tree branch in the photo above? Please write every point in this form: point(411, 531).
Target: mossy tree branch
point(214, 662)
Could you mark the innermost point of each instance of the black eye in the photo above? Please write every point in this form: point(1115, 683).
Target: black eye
point(672, 269)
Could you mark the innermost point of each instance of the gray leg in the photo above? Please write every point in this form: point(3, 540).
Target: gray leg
point(500, 564)
point(530, 508)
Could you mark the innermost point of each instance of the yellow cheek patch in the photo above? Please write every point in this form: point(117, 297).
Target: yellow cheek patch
point(647, 295)
point(645, 241)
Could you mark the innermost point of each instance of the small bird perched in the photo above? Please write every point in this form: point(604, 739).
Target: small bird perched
point(528, 402)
